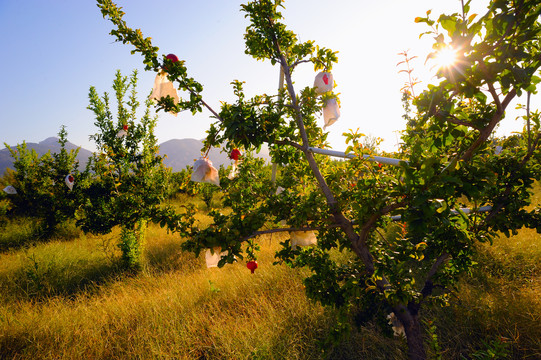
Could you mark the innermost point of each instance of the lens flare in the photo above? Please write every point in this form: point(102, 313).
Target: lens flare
point(445, 57)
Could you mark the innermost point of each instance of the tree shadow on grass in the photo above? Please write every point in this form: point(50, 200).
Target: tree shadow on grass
point(315, 342)
point(27, 232)
point(47, 275)
point(497, 307)
point(39, 279)
point(168, 256)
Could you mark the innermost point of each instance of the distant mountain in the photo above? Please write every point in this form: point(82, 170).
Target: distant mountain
point(180, 153)
point(5, 161)
point(183, 152)
point(49, 144)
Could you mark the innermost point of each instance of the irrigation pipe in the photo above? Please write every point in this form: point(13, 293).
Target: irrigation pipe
point(380, 159)
point(389, 161)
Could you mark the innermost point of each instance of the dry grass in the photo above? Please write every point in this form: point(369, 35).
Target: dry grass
point(68, 299)
point(176, 308)
point(501, 302)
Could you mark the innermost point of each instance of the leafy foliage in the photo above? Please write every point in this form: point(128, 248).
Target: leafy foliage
point(448, 164)
point(129, 179)
point(40, 183)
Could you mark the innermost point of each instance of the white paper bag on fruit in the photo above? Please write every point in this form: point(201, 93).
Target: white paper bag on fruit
point(69, 181)
point(235, 155)
point(203, 171)
point(234, 172)
point(123, 132)
point(10, 190)
point(323, 82)
point(163, 87)
point(213, 256)
point(302, 238)
point(398, 328)
point(331, 112)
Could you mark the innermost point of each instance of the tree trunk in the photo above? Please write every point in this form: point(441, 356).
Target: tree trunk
point(414, 336)
point(414, 333)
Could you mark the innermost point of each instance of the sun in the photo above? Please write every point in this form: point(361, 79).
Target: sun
point(445, 57)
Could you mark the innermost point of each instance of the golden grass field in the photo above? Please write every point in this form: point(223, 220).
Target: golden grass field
point(67, 299)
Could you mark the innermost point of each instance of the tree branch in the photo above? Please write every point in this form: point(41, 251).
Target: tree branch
point(331, 201)
point(429, 285)
point(290, 143)
point(487, 130)
point(490, 85)
point(294, 65)
point(214, 113)
point(496, 208)
point(454, 120)
point(359, 247)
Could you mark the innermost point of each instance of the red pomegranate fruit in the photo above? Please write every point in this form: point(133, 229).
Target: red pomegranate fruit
point(252, 265)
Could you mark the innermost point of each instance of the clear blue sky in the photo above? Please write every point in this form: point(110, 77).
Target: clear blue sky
point(53, 51)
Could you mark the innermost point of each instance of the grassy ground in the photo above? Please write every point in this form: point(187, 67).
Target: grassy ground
point(67, 299)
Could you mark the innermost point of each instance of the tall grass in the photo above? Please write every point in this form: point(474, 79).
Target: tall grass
point(23, 232)
point(499, 306)
point(179, 310)
point(69, 299)
point(501, 301)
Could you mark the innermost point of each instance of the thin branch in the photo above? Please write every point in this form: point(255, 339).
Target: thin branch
point(207, 106)
point(509, 187)
point(360, 245)
point(495, 96)
point(294, 65)
point(528, 120)
point(331, 201)
point(508, 30)
point(381, 236)
point(358, 242)
point(487, 130)
point(510, 96)
point(290, 143)
point(429, 285)
point(490, 85)
point(454, 120)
